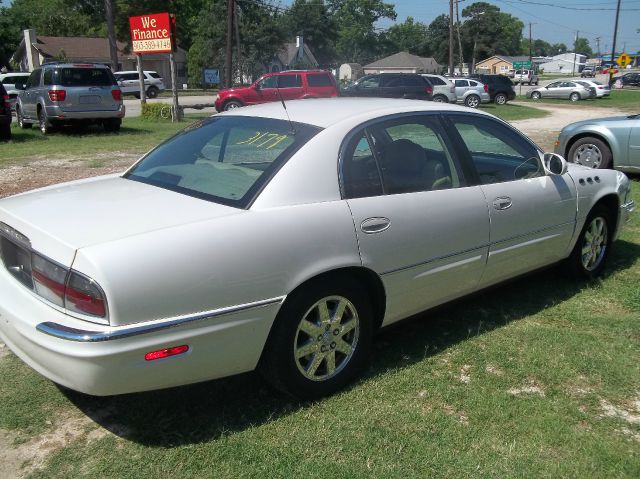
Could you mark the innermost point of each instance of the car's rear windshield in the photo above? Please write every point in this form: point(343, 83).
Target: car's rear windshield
point(226, 159)
point(83, 76)
point(154, 75)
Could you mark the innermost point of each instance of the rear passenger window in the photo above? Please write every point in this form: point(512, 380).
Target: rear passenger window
point(391, 81)
point(361, 175)
point(436, 81)
point(319, 79)
point(289, 81)
point(462, 83)
point(47, 78)
point(411, 80)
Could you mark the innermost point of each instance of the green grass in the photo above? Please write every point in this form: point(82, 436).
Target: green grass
point(438, 400)
point(628, 100)
point(511, 112)
point(135, 137)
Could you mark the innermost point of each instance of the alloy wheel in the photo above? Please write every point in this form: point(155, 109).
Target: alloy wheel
point(594, 244)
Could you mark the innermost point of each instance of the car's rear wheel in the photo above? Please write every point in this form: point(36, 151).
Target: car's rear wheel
point(472, 101)
point(500, 99)
point(536, 95)
point(440, 99)
point(5, 132)
point(112, 124)
point(592, 249)
point(231, 105)
point(574, 96)
point(45, 125)
point(152, 92)
point(591, 152)
point(21, 123)
point(320, 339)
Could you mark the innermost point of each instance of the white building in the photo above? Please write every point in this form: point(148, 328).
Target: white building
point(566, 63)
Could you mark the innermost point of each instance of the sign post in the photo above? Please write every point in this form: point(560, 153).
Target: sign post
point(155, 33)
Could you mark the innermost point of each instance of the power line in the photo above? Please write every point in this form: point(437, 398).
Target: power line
point(564, 7)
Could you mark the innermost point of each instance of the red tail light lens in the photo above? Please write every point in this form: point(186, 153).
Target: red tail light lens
point(165, 353)
point(429, 90)
point(486, 88)
point(57, 95)
point(117, 95)
point(6, 99)
point(83, 295)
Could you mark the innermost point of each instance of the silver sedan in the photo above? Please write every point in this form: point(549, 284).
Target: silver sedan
point(570, 90)
point(282, 239)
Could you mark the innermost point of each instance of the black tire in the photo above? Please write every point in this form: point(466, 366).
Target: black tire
point(591, 152)
point(302, 376)
point(440, 99)
point(589, 255)
point(21, 123)
point(472, 101)
point(152, 92)
point(231, 105)
point(536, 95)
point(46, 127)
point(5, 132)
point(500, 99)
point(112, 125)
point(574, 96)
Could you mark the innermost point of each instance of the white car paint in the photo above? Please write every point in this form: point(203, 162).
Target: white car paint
point(180, 270)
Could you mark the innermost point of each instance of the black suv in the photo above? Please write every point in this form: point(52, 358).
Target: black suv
point(391, 85)
point(500, 87)
point(5, 115)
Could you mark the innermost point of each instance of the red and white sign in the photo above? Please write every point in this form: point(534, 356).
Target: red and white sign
point(151, 33)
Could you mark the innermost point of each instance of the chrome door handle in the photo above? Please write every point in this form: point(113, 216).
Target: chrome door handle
point(502, 203)
point(376, 224)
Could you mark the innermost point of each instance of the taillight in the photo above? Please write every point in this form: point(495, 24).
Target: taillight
point(117, 95)
point(486, 88)
point(67, 289)
point(83, 295)
point(57, 95)
point(429, 90)
point(165, 353)
point(6, 99)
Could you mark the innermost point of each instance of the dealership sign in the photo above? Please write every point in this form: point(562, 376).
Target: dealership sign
point(151, 33)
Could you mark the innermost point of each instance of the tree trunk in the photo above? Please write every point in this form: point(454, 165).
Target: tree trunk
point(113, 49)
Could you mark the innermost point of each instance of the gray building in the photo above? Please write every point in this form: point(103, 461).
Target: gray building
point(403, 62)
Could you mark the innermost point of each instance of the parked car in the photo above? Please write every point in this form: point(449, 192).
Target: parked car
point(500, 87)
point(612, 142)
point(526, 77)
point(286, 85)
point(9, 81)
point(70, 93)
point(232, 245)
point(5, 115)
point(588, 72)
point(129, 83)
point(443, 89)
point(391, 85)
point(563, 89)
point(471, 92)
point(629, 79)
point(601, 90)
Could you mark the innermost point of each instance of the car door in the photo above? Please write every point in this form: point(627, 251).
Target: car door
point(462, 86)
point(532, 215)
point(552, 90)
point(420, 226)
point(391, 86)
point(30, 95)
point(634, 142)
point(290, 86)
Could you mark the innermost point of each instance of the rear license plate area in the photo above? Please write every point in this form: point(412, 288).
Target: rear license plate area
point(89, 99)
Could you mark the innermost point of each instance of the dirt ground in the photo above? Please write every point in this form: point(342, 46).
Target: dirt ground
point(37, 173)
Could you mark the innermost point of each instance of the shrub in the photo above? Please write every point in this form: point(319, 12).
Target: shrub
point(156, 111)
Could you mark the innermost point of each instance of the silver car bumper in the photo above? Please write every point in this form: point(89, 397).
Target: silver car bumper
point(56, 113)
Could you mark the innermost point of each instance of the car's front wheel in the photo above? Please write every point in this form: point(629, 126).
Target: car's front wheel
point(500, 99)
point(152, 92)
point(590, 253)
point(591, 152)
point(472, 101)
point(320, 339)
point(231, 105)
point(536, 95)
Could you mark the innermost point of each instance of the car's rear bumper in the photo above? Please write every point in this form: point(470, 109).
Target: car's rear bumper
point(56, 113)
point(101, 360)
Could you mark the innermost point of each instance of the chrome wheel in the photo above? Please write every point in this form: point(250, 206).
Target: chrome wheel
point(589, 155)
point(472, 101)
point(326, 338)
point(594, 244)
point(536, 95)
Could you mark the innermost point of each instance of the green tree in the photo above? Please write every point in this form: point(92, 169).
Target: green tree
point(438, 38)
point(357, 39)
point(312, 20)
point(582, 46)
point(409, 36)
point(557, 49)
point(491, 31)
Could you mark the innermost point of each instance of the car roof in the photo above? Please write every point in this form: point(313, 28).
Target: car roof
point(325, 112)
point(134, 71)
point(74, 65)
point(12, 74)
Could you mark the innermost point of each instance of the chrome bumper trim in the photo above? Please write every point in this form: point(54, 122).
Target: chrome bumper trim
point(629, 207)
point(86, 336)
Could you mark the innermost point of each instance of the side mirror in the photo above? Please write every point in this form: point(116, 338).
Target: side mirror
point(554, 164)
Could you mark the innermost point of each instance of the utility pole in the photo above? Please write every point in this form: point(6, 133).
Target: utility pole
point(598, 45)
point(615, 37)
point(459, 40)
point(575, 44)
point(111, 33)
point(530, 42)
point(451, 37)
point(229, 47)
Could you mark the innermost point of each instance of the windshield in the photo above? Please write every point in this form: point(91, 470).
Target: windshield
point(227, 160)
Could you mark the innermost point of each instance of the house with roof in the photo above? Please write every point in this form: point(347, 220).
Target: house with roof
point(293, 56)
point(35, 50)
point(403, 62)
point(499, 64)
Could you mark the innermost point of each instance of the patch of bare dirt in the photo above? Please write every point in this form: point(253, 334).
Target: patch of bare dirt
point(530, 389)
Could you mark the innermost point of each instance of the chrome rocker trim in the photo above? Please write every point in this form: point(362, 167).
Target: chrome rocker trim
point(86, 336)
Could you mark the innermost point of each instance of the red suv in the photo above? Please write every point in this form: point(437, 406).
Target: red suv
point(288, 85)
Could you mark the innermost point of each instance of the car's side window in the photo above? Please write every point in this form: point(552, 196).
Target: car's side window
point(289, 81)
point(47, 78)
point(360, 171)
point(498, 153)
point(372, 82)
point(269, 82)
point(462, 83)
point(34, 79)
point(391, 81)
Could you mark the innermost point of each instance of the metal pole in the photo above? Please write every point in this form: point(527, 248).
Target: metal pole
point(615, 37)
point(459, 40)
point(175, 109)
point(143, 91)
point(228, 52)
point(575, 44)
point(451, 37)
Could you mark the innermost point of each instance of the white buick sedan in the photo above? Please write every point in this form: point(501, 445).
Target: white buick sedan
point(282, 239)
